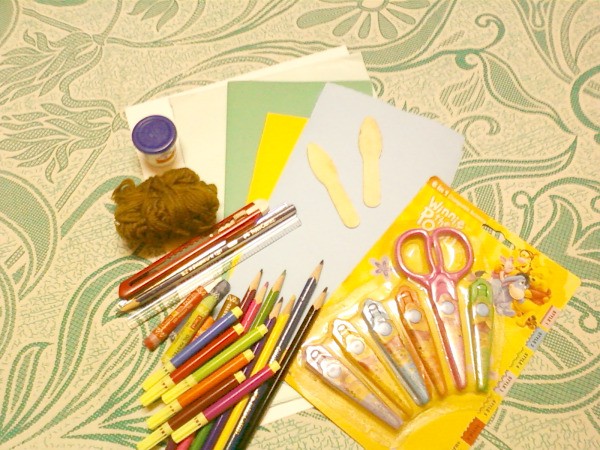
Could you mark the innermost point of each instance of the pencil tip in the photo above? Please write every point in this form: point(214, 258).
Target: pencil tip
point(320, 299)
point(317, 272)
point(289, 305)
point(127, 306)
point(277, 308)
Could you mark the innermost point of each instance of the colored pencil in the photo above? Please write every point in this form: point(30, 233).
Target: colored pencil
point(227, 401)
point(230, 302)
point(182, 417)
point(221, 342)
point(267, 229)
point(201, 436)
point(251, 291)
point(254, 307)
point(258, 349)
point(164, 266)
point(217, 438)
point(221, 258)
point(196, 319)
point(286, 348)
point(233, 350)
point(194, 347)
point(185, 444)
point(269, 301)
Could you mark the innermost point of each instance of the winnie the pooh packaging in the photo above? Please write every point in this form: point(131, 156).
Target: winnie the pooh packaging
point(419, 345)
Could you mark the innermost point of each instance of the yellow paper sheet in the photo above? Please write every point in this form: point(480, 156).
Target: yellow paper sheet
point(279, 137)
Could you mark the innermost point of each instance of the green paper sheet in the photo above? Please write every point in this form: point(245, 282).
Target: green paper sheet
point(248, 103)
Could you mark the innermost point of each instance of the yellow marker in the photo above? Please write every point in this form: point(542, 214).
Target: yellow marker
point(226, 402)
point(201, 389)
point(157, 376)
point(195, 321)
point(156, 390)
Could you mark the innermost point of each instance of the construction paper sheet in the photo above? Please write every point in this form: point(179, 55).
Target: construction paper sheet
point(278, 139)
point(200, 113)
point(248, 103)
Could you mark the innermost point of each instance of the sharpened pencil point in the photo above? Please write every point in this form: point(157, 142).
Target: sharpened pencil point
point(279, 282)
point(276, 309)
point(260, 294)
point(287, 309)
point(317, 272)
point(320, 299)
point(127, 305)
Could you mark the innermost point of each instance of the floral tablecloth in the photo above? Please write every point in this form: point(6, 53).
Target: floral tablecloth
point(519, 79)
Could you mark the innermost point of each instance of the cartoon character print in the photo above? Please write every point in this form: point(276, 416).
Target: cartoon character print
point(508, 292)
point(505, 268)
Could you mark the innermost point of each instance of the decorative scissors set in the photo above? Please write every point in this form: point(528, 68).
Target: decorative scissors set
point(422, 341)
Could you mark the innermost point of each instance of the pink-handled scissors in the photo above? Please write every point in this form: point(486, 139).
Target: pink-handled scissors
point(441, 287)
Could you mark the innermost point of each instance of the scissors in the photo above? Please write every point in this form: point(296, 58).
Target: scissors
point(335, 373)
point(480, 309)
point(440, 283)
point(396, 354)
point(358, 352)
point(416, 326)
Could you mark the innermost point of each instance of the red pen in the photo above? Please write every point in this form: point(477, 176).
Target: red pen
point(166, 265)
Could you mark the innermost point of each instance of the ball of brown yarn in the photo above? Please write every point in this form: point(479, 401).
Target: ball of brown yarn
point(165, 208)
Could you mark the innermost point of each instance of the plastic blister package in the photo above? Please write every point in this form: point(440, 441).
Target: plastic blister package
point(419, 344)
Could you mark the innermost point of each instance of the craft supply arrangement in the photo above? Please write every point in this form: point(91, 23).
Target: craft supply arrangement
point(428, 314)
point(418, 346)
point(223, 348)
point(299, 224)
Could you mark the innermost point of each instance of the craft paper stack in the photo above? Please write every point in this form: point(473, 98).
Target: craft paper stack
point(249, 136)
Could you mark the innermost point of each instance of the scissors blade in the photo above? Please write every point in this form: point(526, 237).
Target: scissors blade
point(358, 352)
point(417, 328)
point(398, 357)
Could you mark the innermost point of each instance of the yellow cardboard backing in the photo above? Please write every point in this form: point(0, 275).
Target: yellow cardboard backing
point(456, 419)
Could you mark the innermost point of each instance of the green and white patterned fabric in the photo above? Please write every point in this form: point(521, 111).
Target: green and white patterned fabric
point(520, 79)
